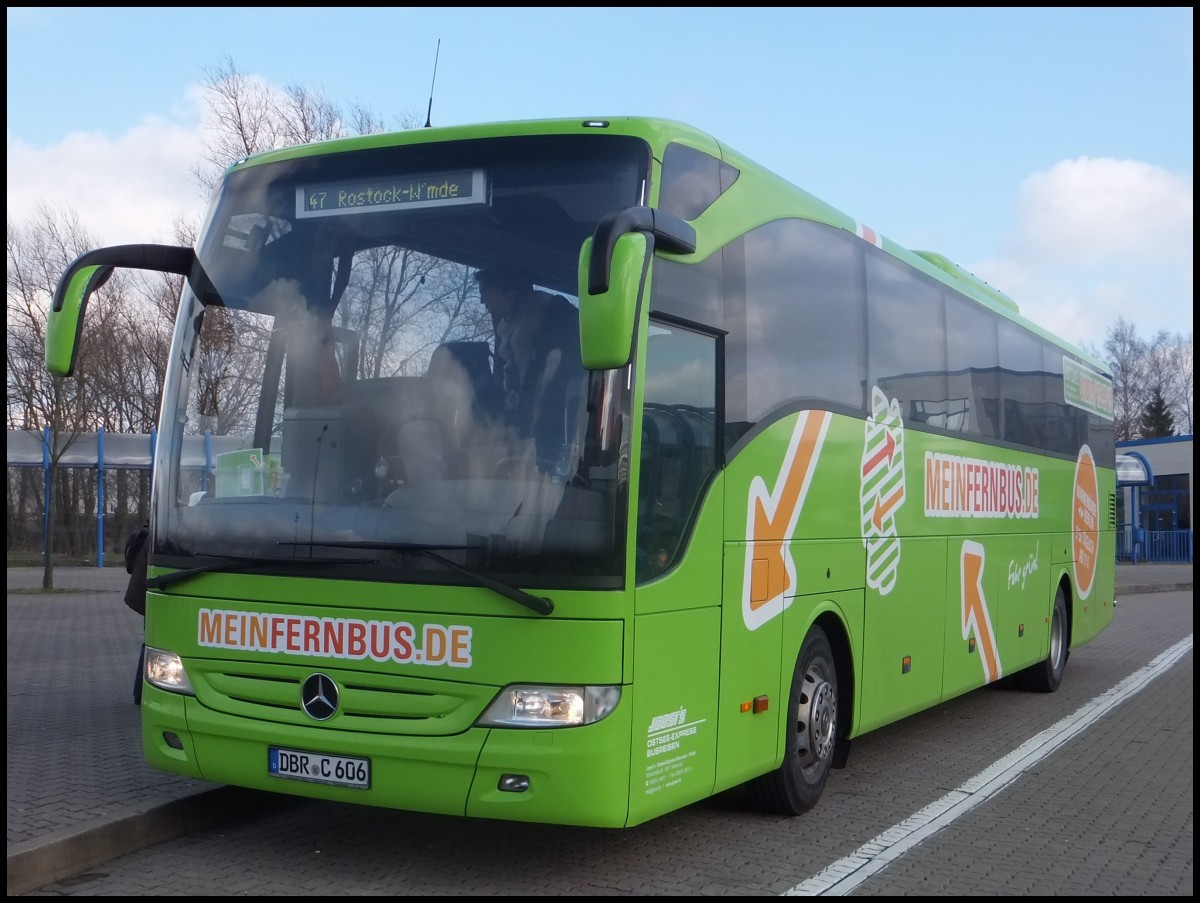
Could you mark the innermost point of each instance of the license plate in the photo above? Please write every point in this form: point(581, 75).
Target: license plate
point(320, 768)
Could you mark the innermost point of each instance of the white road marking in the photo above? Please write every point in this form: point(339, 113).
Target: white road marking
point(846, 874)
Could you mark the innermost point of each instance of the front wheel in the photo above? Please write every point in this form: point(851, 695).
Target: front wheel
point(796, 785)
point(1047, 675)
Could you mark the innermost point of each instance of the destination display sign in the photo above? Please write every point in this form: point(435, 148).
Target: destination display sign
point(1087, 389)
point(443, 189)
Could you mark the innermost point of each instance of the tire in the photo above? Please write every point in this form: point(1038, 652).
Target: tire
point(1046, 676)
point(811, 740)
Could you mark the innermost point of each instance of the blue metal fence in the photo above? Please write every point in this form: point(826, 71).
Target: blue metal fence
point(1135, 546)
point(105, 452)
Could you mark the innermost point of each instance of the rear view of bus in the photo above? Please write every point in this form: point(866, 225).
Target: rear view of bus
point(407, 551)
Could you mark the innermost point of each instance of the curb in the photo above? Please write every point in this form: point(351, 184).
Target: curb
point(1140, 589)
point(71, 851)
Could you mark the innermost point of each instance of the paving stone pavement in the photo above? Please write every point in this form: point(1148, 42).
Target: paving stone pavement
point(79, 791)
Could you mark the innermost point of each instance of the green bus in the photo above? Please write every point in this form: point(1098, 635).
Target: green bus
point(786, 483)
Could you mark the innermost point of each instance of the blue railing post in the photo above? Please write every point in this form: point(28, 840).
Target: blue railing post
point(100, 498)
point(46, 497)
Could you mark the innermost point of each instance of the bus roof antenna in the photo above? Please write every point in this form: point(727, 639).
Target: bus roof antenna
point(429, 111)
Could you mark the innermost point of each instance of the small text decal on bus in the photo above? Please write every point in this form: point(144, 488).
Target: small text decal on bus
point(670, 747)
point(348, 638)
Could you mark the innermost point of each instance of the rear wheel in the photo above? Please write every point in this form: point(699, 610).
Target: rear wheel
point(1047, 675)
point(796, 785)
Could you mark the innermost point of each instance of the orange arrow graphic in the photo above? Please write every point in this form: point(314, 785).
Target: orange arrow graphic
point(888, 449)
point(975, 613)
point(883, 506)
point(772, 527)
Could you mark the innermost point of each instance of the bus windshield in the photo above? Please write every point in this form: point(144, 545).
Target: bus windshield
point(345, 395)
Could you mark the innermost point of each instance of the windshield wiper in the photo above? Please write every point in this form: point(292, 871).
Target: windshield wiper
point(539, 604)
point(238, 563)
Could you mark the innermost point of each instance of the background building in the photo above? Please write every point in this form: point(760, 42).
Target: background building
point(1154, 505)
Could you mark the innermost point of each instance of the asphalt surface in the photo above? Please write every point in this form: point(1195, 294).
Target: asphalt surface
point(79, 791)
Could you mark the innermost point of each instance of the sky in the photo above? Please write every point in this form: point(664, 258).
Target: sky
point(1046, 150)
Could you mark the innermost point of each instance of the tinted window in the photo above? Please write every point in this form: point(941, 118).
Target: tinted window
point(692, 180)
point(907, 342)
point(679, 441)
point(692, 291)
point(973, 364)
point(1026, 416)
point(801, 338)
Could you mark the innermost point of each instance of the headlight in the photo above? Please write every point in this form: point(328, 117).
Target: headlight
point(532, 705)
point(165, 671)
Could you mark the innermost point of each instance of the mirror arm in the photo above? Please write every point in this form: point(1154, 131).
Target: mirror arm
point(161, 258)
point(670, 234)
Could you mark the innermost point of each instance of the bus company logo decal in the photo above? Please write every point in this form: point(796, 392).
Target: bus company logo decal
point(972, 487)
point(975, 616)
point(319, 696)
point(667, 732)
point(769, 580)
point(670, 749)
point(337, 638)
point(667, 721)
point(882, 490)
point(1085, 521)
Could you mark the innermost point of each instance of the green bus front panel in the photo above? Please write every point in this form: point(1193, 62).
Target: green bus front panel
point(181, 735)
point(414, 720)
point(577, 776)
point(436, 641)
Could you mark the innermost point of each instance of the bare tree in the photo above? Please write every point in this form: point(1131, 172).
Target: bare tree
point(1126, 353)
point(37, 256)
point(1148, 372)
point(1174, 368)
point(249, 116)
point(404, 304)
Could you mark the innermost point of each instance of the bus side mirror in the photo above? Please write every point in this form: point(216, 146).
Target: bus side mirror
point(607, 320)
point(612, 274)
point(83, 277)
point(66, 316)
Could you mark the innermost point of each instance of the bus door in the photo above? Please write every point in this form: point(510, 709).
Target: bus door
point(679, 518)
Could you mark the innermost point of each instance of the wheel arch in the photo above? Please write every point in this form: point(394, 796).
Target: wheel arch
point(843, 656)
point(1068, 590)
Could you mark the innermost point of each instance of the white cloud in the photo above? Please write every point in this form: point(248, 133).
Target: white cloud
point(1089, 210)
point(1097, 239)
point(131, 188)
